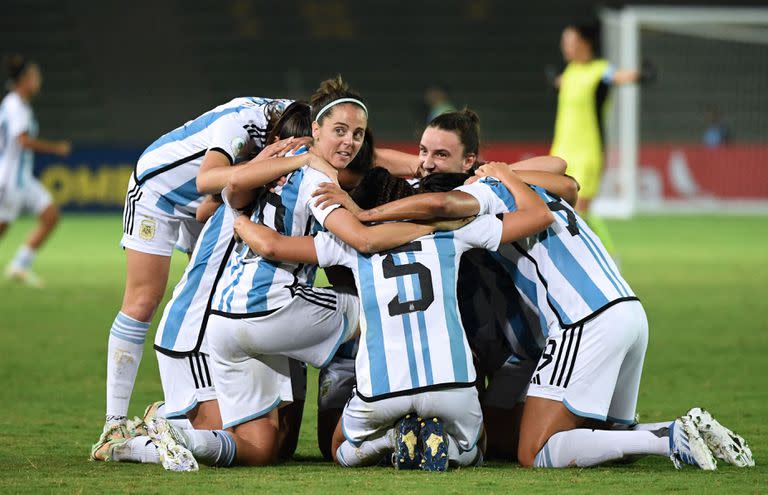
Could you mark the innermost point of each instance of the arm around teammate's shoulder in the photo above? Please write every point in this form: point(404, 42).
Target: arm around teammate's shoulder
point(532, 214)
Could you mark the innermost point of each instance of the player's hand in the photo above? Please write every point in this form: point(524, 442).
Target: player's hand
point(323, 166)
point(278, 183)
point(493, 169)
point(449, 223)
point(329, 193)
point(472, 180)
point(298, 142)
point(276, 149)
point(62, 148)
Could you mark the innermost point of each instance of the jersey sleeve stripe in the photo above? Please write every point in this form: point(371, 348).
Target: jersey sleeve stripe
point(180, 305)
point(374, 338)
point(447, 250)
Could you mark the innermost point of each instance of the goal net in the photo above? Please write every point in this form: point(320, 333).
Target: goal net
point(696, 140)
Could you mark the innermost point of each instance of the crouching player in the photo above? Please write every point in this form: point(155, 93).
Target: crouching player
point(414, 366)
point(596, 335)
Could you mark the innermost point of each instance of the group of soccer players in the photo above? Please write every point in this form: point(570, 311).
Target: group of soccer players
point(471, 314)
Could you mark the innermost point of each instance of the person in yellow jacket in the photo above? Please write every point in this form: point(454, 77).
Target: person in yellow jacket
point(583, 89)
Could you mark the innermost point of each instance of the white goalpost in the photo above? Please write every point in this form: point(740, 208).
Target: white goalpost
point(697, 139)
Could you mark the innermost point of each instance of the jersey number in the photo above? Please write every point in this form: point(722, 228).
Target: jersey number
point(423, 275)
point(572, 226)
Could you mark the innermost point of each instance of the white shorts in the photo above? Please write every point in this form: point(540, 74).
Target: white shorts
point(187, 381)
point(33, 198)
point(302, 330)
point(595, 369)
point(508, 386)
point(336, 383)
point(148, 229)
point(251, 356)
point(458, 408)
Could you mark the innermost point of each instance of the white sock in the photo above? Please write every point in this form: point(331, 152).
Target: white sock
point(369, 453)
point(456, 457)
point(585, 448)
point(137, 449)
point(212, 448)
point(652, 426)
point(24, 258)
point(126, 345)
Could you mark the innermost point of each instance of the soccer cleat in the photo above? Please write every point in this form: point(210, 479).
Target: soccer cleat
point(104, 452)
point(150, 412)
point(136, 427)
point(26, 277)
point(724, 443)
point(113, 431)
point(434, 445)
point(170, 445)
point(687, 447)
point(407, 455)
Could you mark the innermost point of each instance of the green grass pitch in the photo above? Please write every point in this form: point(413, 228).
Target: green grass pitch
point(702, 279)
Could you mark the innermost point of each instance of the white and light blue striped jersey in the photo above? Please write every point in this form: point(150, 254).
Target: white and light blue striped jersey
point(169, 166)
point(564, 273)
point(182, 328)
point(254, 286)
point(411, 336)
point(16, 163)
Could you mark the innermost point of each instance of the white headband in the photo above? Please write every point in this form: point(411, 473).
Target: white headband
point(336, 102)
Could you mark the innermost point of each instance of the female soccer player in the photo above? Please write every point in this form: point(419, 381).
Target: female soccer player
point(596, 333)
point(414, 356)
point(20, 191)
point(170, 180)
point(263, 312)
point(583, 89)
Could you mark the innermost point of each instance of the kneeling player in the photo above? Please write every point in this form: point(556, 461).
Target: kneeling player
point(414, 366)
point(596, 331)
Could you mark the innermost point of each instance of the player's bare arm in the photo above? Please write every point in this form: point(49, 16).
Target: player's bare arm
point(60, 148)
point(564, 186)
point(451, 204)
point(215, 170)
point(532, 214)
point(398, 163)
point(208, 207)
point(551, 164)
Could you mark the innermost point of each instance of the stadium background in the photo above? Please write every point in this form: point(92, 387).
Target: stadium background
point(119, 75)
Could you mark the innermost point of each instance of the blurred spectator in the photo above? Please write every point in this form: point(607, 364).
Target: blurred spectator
point(437, 100)
point(716, 134)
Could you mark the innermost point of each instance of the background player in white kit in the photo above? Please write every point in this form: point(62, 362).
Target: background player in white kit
point(20, 191)
point(161, 203)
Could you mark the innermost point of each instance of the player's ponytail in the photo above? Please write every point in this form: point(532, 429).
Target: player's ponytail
point(295, 121)
point(331, 91)
point(465, 123)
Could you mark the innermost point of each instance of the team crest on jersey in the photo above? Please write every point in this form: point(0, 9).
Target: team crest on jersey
point(238, 144)
point(147, 229)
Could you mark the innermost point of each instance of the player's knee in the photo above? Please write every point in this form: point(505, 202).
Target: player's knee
point(50, 216)
point(526, 454)
point(141, 307)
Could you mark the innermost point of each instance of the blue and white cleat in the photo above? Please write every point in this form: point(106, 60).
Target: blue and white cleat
point(687, 447)
point(407, 455)
point(724, 443)
point(434, 445)
point(174, 455)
